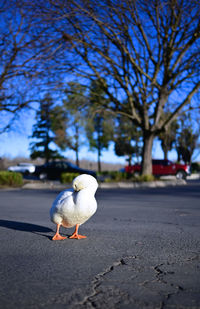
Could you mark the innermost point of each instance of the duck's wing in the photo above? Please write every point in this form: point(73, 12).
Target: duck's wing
point(61, 207)
point(61, 198)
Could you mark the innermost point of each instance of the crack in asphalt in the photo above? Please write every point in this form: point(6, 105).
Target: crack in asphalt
point(88, 298)
point(99, 294)
point(98, 280)
point(161, 277)
point(167, 296)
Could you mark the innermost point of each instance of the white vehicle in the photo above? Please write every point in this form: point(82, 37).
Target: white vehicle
point(24, 168)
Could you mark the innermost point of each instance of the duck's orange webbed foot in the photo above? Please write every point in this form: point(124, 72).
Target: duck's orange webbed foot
point(57, 236)
point(75, 235)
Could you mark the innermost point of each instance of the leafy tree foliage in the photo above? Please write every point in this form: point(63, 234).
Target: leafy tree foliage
point(99, 132)
point(71, 125)
point(127, 139)
point(187, 139)
point(76, 113)
point(99, 127)
point(168, 138)
point(59, 125)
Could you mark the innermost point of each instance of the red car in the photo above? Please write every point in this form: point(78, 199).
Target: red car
point(163, 168)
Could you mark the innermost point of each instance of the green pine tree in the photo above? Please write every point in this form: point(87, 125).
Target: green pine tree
point(187, 138)
point(42, 132)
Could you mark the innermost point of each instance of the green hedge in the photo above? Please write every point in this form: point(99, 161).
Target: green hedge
point(195, 167)
point(112, 176)
point(116, 176)
point(11, 179)
point(68, 177)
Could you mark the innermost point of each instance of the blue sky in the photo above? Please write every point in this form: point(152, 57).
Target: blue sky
point(15, 143)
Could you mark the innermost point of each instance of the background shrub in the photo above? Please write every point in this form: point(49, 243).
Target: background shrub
point(123, 176)
point(195, 167)
point(145, 178)
point(68, 177)
point(11, 179)
point(118, 176)
point(112, 176)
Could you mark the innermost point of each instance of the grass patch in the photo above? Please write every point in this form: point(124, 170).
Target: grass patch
point(11, 179)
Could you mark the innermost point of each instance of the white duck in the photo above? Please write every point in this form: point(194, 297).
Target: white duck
point(75, 206)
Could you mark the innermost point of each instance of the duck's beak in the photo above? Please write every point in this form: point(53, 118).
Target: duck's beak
point(75, 187)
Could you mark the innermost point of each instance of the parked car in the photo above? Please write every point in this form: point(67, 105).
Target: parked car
point(24, 168)
point(163, 168)
point(53, 170)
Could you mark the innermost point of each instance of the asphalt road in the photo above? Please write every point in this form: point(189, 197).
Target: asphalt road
point(142, 251)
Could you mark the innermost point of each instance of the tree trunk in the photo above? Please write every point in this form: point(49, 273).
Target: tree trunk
point(46, 152)
point(178, 154)
point(165, 150)
point(77, 157)
point(77, 144)
point(99, 160)
point(99, 145)
point(147, 153)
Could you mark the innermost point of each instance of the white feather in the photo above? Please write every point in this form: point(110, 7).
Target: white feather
point(76, 206)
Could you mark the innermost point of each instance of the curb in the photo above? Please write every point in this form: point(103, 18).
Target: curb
point(110, 185)
point(46, 185)
point(151, 184)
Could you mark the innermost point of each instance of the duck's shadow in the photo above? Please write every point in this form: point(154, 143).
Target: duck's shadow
point(27, 227)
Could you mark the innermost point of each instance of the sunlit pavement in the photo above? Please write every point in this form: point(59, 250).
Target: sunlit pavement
point(142, 251)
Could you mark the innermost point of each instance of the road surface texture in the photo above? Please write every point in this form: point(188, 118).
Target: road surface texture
point(142, 251)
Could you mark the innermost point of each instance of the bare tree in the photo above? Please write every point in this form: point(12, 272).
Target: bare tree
point(145, 55)
point(17, 66)
point(24, 76)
